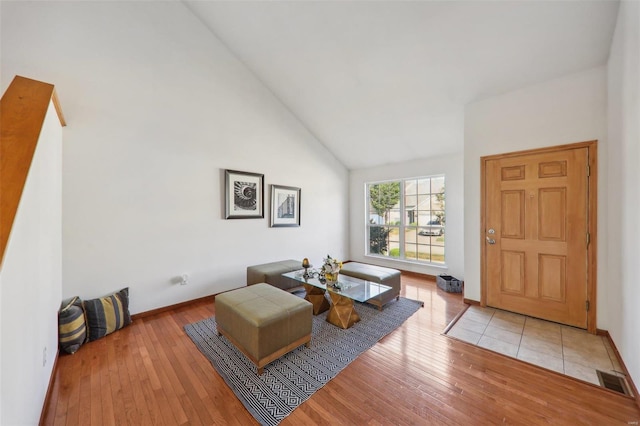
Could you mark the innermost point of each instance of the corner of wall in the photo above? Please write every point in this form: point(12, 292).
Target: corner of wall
point(32, 282)
point(564, 110)
point(623, 192)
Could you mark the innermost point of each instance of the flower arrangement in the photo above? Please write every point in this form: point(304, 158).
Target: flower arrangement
point(331, 268)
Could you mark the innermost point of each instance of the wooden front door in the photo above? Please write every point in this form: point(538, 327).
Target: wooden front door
point(536, 233)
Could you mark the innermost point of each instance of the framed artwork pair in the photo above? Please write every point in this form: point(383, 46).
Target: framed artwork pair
point(244, 199)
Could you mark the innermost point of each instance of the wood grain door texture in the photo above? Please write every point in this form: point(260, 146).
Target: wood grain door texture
point(536, 233)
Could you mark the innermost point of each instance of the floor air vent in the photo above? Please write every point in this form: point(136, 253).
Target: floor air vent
point(612, 382)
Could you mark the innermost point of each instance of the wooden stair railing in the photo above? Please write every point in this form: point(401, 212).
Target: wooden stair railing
point(22, 112)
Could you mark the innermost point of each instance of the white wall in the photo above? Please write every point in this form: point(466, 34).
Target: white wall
point(31, 285)
point(623, 191)
point(451, 167)
point(157, 108)
point(561, 111)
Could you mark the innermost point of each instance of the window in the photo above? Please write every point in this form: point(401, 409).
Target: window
point(406, 219)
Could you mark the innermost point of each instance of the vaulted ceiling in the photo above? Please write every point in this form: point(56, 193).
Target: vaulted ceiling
point(386, 81)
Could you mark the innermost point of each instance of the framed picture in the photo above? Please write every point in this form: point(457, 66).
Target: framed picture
point(244, 195)
point(285, 206)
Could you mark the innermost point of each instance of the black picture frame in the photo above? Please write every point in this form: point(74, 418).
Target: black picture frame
point(285, 206)
point(244, 195)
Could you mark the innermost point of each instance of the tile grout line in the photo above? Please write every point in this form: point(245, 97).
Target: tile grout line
point(611, 354)
point(521, 336)
point(564, 370)
point(487, 325)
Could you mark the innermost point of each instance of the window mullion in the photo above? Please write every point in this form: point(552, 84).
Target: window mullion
point(401, 231)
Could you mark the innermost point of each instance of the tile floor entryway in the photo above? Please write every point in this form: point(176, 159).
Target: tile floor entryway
point(561, 348)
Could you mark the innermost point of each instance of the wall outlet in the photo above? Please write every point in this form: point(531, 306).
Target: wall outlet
point(184, 279)
point(44, 356)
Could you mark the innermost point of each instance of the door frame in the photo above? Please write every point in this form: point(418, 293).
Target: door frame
point(592, 221)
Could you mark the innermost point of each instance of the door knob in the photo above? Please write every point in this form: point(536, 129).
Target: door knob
point(491, 240)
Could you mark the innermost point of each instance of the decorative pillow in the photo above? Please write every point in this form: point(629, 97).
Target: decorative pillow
point(107, 314)
point(72, 329)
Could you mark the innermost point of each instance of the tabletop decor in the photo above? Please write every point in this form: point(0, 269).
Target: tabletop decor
point(306, 265)
point(331, 268)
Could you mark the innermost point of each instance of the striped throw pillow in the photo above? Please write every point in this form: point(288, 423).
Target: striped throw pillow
point(72, 329)
point(107, 314)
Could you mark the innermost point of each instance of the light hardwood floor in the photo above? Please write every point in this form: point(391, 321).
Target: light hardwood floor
point(151, 374)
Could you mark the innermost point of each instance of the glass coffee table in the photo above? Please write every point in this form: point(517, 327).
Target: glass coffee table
point(342, 312)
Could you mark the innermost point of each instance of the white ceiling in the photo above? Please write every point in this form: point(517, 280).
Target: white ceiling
point(386, 81)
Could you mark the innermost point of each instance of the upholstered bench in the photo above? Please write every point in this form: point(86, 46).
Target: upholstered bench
point(271, 273)
point(377, 274)
point(263, 322)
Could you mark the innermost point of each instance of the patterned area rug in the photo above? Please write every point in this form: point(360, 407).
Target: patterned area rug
point(293, 378)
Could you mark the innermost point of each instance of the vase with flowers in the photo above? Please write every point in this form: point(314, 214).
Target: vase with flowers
point(331, 268)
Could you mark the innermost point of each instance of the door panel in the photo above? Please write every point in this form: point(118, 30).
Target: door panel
point(552, 277)
point(537, 206)
point(513, 223)
point(512, 279)
point(552, 211)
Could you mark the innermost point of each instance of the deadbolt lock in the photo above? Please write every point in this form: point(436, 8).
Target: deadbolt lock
point(490, 240)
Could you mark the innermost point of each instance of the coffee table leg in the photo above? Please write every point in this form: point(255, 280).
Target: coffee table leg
point(315, 295)
point(342, 312)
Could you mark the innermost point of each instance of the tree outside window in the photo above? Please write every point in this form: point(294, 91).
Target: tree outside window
point(383, 198)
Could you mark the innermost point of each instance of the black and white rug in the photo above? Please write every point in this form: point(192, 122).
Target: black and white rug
point(293, 378)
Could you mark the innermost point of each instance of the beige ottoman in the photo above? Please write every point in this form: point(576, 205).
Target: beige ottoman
point(376, 274)
point(271, 273)
point(263, 321)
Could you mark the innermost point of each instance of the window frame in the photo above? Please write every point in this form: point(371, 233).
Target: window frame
point(403, 227)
